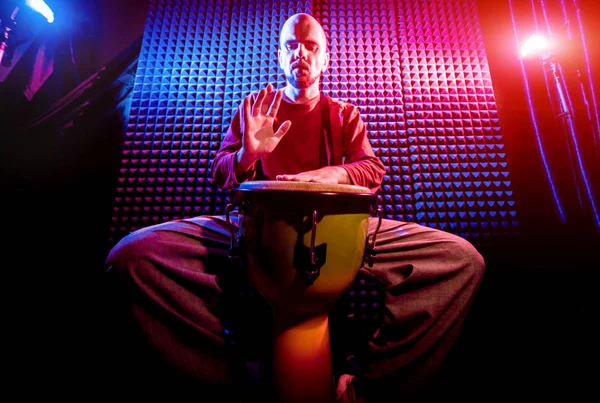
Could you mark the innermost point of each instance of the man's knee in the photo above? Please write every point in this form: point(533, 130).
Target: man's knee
point(472, 262)
point(123, 257)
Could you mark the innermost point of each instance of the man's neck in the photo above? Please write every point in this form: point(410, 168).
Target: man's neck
point(301, 96)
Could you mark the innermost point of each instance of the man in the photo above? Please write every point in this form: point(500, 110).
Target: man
point(174, 271)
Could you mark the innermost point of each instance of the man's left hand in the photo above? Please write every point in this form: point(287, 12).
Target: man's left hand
point(331, 175)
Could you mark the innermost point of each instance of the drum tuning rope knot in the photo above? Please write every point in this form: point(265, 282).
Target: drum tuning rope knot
point(314, 269)
point(370, 251)
point(234, 248)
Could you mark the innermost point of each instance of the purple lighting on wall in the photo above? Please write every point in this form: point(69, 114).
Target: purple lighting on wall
point(416, 69)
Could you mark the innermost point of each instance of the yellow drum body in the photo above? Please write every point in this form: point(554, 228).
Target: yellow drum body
point(303, 244)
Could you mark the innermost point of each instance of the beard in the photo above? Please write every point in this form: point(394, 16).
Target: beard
point(301, 82)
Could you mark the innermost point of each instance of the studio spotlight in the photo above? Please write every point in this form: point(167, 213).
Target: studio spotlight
point(537, 46)
point(8, 24)
point(41, 7)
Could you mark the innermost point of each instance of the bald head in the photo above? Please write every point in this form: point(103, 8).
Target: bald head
point(303, 52)
point(303, 24)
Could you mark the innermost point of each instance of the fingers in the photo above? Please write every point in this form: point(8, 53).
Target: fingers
point(286, 178)
point(275, 104)
point(256, 108)
point(247, 112)
point(283, 129)
point(295, 178)
point(259, 104)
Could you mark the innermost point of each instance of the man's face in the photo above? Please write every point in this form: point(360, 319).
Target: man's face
point(302, 54)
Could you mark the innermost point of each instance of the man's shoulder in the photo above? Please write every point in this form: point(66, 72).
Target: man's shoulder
point(343, 106)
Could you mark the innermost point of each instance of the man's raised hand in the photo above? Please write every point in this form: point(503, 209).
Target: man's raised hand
point(258, 136)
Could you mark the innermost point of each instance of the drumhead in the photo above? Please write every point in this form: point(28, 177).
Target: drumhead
point(303, 186)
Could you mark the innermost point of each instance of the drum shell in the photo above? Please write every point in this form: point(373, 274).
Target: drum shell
point(271, 226)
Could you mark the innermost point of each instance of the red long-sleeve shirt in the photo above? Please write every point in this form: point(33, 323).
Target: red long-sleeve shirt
point(298, 150)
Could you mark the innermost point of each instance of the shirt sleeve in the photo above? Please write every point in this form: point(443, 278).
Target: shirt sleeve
point(363, 167)
point(223, 165)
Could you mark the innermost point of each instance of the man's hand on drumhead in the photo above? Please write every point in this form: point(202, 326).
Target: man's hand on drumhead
point(332, 175)
point(258, 115)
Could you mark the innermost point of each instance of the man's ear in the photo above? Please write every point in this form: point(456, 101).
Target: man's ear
point(279, 58)
point(326, 63)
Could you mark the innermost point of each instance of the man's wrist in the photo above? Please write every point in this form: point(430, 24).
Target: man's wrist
point(243, 162)
point(343, 176)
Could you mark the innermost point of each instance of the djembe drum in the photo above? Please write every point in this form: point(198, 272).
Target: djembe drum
point(302, 245)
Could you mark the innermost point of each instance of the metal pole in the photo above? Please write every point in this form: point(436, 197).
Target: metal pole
point(575, 157)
